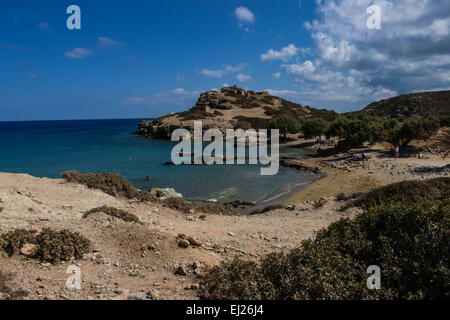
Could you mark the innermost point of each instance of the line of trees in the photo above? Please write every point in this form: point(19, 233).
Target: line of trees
point(355, 129)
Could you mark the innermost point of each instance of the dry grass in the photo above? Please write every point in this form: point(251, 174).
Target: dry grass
point(205, 207)
point(114, 212)
point(110, 183)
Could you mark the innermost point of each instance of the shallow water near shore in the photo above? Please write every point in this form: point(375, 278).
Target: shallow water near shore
point(47, 148)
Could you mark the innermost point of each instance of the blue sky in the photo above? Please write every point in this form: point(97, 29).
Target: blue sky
point(147, 58)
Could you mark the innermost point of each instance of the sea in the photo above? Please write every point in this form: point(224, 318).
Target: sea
point(47, 148)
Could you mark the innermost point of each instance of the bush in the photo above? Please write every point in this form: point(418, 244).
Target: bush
point(11, 242)
point(110, 183)
point(407, 192)
point(444, 120)
point(408, 243)
point(114, 212)
point(53, 246)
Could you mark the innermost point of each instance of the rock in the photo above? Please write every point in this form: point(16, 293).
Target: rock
point(290, 207)
point(191, 211)
point(165, 193)
point(183, 243)
point(231, 234)
point(181, 271)
point(122, 295)
point(29, 249)
point(138, 296)
point(88, 256)
point(194, 242)
point(102, 260)
point(34, 229)
point(154, 294)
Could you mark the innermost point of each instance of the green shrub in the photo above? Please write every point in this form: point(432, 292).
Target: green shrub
point(408, 243)
point(52, 246)
point(114, 212)
point(406, 191)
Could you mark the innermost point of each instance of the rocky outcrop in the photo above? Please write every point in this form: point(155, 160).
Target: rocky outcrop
point(299, 165)
point(423, 104)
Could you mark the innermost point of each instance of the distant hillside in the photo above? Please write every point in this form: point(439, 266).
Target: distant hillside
point(223, 109)
point(422, 104)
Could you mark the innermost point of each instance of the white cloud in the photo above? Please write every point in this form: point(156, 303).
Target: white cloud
point(243, 77)
point(178, 97)
point(219, 73)
point(277, 75)
point(107, 42)
point(353, 65)
point(44, 26)
point(244, 15)
point(286, 54)
point(78, 53)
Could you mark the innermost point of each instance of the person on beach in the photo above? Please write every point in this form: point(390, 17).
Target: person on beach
point(397, 152)
point(364, 158)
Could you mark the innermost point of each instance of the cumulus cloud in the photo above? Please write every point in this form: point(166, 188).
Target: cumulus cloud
point(178, 97)
point(277, 75)
point(285, 54)
point(355, 65)
point(78, 53)
point(244, 15)
point(106, 42)
point(219, 73)
point(243, 77)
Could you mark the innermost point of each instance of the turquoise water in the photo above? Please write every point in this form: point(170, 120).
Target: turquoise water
point(47, 148)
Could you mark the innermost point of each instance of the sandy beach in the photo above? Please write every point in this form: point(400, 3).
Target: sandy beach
point(129, 258)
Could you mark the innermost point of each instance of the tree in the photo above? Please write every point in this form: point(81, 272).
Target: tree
point(314, 127)
point(242, 124)
point(353, 130)
point(285, 123)
point(402, 133)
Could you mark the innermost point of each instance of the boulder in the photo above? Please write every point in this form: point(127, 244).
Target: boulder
point(165, 193)
point(29, 249)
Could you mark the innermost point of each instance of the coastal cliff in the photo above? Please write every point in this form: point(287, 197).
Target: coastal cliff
point(228, 108)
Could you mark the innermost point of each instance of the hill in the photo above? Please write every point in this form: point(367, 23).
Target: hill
point(223, 109)
point(413, 104)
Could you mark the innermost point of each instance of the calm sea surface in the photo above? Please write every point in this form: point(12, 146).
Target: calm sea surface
point(47, 148)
